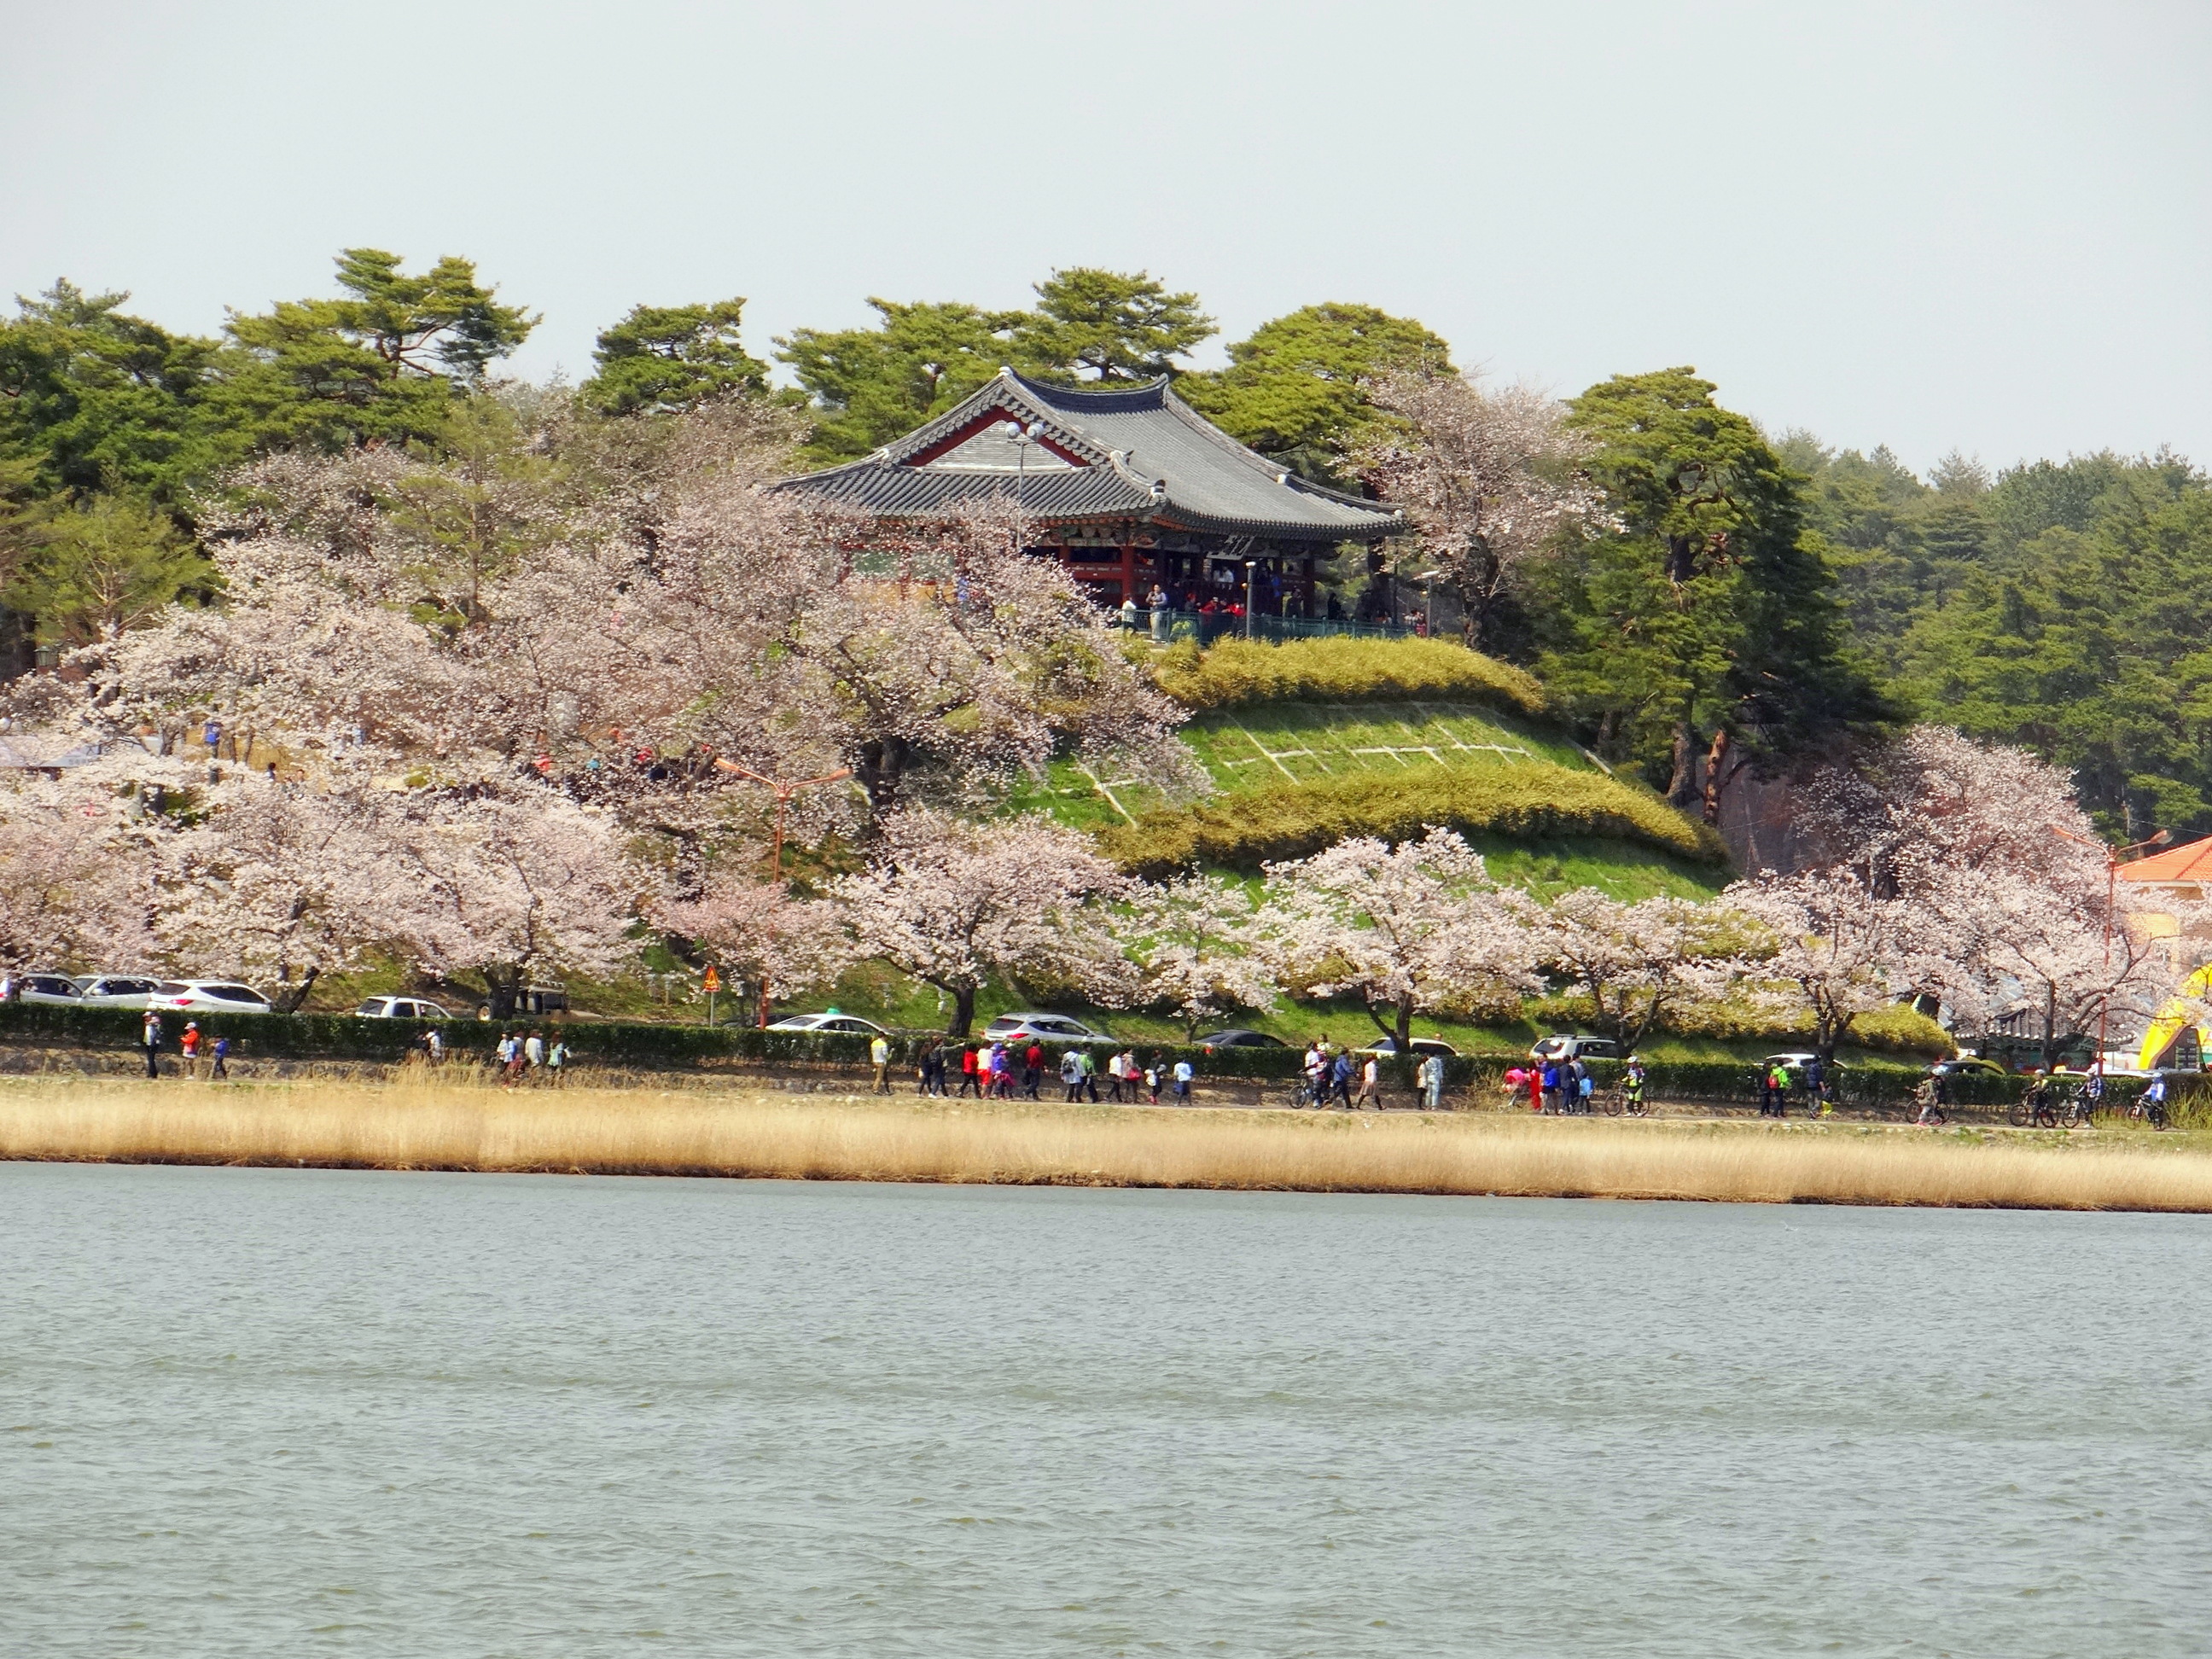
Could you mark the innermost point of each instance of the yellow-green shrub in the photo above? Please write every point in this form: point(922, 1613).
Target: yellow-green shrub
point(1340, 668)
point(1529, 802)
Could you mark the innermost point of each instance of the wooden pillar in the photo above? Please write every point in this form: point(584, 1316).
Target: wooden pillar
point(1129, 568)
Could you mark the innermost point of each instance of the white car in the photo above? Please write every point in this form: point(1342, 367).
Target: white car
point(400, 1008)
point(118, 990)
point(1049, 1028)
point(48, 988)
point(1384, 1047)
point(833, 1023)
point(209, 996)
point(1563, 1047)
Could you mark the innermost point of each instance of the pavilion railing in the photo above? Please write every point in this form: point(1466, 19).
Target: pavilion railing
point(1191, 625)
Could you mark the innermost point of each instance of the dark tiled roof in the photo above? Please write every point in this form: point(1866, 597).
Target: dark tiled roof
point(1139, 452)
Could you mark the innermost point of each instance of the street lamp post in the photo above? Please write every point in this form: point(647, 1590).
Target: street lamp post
point(785, 789)
point(2114, 858)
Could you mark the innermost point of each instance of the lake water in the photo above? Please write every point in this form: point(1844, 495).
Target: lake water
point(282, 1412)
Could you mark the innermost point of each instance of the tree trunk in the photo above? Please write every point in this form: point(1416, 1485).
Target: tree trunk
point(1681, 558)
point(502, 988)
point(1721, 768)
point(881, 766)
point(1404, 1034)
point(1682, 784)
point(288, 1001)
point(963, 1010)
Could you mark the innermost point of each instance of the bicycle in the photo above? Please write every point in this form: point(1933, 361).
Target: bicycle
point(1616, 1102)
point(2081, 1109)
point(1302, 1093)
point(2033, 1107)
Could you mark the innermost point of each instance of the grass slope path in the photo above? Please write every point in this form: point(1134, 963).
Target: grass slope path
point(1299, 741)
point(1537, 801)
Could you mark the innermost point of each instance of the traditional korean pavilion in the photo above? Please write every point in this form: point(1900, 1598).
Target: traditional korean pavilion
point(1129, 487)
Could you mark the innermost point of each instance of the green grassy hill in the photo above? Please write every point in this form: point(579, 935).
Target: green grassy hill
point(1443, 736)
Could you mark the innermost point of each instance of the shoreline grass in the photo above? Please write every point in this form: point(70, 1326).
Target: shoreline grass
point(732, 1133)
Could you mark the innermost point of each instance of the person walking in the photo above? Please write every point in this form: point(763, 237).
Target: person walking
point(1158, 602)
point(1070, 1074)
point(556, 1061)
point(188, 1047)
point(1340, 1074)
point(150, 1038)
point(433, 1043)
point(879, 1056)
point(1002, 1073)
point(1129, 614)
point(533, 1052)
point(1153, 1083)
point(216, 1057)
point(969, 1060)
point(1032, 1069)
point(1550, 1083)
point(1371, 1084)
point(1121, 1067)
point(1087, 1063)
point(1184, 1073)
point(1433, 1082)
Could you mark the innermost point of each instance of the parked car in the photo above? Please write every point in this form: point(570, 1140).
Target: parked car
point(117, 990)
point(1051, 1028)
point(1968, 1065)
point(1561, 1045)
point(833, 1022)
point(1237, 1038)
point(1387, 1046)
point(209, 996)
point(50, 988)
point(400, 1008)
point(1796, 1059)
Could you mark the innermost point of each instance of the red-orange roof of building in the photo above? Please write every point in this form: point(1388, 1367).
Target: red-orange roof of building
point(2191, 862)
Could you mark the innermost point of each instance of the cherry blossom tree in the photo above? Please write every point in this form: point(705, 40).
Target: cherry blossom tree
point(1837, 949)
point(956, 903)
point(1638, 962)
point(273, 880)
point(1194, 944)
point(1412, 928)
point(761, 934)
point(2043, 951)
point(518, 885)
point(1488, 480)
point(75, 880)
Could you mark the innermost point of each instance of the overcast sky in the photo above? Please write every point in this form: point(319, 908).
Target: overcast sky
point(1928, 225)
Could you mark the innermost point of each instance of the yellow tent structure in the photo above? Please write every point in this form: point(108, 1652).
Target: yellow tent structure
point(2177, 1018)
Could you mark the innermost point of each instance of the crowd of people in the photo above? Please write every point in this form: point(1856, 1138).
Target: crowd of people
point(1018, 1070)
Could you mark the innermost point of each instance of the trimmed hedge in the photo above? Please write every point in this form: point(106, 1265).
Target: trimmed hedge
point(1247, 828)
point(343, 1036)
point(1339, 667)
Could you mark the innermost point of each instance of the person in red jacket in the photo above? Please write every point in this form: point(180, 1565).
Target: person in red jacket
point(968, 1085)
point(1032, 1069)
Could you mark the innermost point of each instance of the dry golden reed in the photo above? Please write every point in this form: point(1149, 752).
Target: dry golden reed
point(411, 1125)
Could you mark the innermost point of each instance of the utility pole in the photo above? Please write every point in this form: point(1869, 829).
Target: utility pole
point(2114, 856)
point(785, 789)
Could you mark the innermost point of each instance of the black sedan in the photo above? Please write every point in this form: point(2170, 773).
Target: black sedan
point(1240, 1039)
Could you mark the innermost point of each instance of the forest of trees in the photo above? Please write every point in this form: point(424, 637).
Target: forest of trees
point(1704, 589)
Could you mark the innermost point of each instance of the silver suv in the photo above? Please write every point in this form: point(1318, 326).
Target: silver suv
point(1048, 1028)
point(400, 1008)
